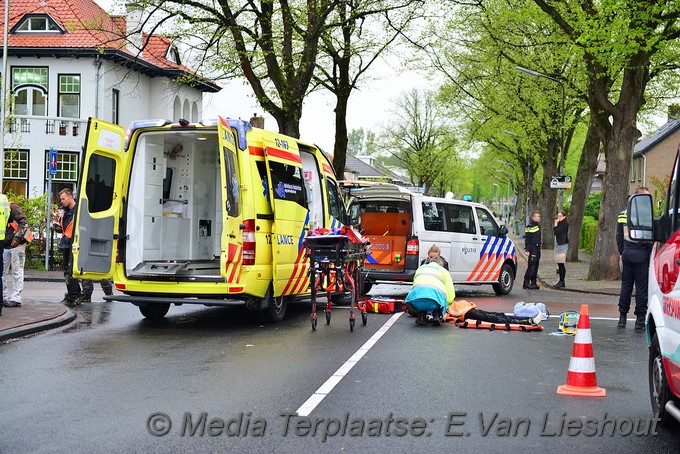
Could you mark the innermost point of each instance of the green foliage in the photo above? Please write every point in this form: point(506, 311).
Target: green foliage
point(588, 234)
point(593, 206)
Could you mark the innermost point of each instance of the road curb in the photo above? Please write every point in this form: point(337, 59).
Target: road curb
point(20, 331)
point(43, 279)
point(565, 289)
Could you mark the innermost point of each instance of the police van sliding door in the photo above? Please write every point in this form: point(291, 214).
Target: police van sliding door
point(287, 189)
point(99, 201)
point(231, 251)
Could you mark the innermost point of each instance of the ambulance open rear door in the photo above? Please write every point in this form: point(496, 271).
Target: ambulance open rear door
point(99, 201)
point(291, 216)
point(231, 251)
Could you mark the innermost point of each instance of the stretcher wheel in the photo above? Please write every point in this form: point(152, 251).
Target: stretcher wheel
point(351, 324)
point(364, 318)
point(313, 323)
point(328, 317)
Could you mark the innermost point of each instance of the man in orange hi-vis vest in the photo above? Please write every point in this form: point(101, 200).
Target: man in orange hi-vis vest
point(14, 255)
point(65, 227)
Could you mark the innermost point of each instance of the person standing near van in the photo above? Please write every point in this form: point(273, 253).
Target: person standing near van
point(561, 230)
point(65, 227)
point(532, 248)
point(635, 258)
point(14, 254)
point(4, 215)
point(433, 252)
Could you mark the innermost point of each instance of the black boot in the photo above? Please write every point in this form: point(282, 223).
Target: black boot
point(527, 284)
point(640, 323)
point(532, 285)
point(622, 320)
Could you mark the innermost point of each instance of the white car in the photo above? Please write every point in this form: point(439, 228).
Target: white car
point(402, 226)
point(663, 313)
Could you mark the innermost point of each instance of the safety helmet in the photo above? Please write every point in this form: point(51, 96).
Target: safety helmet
point(568, 322)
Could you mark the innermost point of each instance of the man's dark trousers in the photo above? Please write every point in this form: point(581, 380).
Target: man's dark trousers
point(634, 273)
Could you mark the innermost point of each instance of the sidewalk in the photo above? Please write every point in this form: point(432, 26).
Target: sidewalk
point(34, 316)
point(576, 272)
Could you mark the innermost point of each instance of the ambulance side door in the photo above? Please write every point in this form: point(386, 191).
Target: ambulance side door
point(231, 254)
point(100, 186)
point(291, 215)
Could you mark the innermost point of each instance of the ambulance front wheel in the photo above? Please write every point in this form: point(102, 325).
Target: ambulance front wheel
point(154, 311)
point(505, 280)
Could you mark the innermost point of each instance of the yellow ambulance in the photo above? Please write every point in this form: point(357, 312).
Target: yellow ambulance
point(210, 213)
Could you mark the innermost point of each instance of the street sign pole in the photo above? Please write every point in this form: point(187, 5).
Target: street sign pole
point(51, 173)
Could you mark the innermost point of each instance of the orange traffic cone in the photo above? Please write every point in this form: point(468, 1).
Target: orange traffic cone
point(581, 378)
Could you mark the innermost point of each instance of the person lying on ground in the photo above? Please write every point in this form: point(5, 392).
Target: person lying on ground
point(462, 310)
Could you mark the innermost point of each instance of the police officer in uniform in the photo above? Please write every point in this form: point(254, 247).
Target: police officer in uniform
point(635, 258)
point(532, 248)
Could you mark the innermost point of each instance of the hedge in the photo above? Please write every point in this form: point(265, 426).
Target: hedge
point(588, 234)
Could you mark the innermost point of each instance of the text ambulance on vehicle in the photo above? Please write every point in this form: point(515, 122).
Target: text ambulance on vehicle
point(663, 311)
point(402, 226)
point(213, 213)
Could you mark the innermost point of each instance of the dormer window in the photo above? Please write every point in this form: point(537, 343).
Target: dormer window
point(173, 55)
point(37, 23)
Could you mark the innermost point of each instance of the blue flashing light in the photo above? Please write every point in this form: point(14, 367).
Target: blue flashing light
point(208, 122)
point(467, 198)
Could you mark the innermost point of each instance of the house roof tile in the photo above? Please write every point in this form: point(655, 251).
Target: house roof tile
point(89, 27)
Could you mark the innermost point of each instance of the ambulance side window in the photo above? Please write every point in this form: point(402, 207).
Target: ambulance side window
point(232, 179)
point(287, 183)
point(101, 173)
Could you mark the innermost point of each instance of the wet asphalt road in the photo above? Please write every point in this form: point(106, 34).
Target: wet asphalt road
point(93, 386)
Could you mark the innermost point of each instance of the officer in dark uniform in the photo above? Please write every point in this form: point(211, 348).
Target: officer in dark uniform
point(635, 258)
point(532, 248)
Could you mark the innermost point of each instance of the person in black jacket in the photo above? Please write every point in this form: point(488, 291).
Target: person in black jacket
point(635, 258)
point(561, 230)
point(532, 248)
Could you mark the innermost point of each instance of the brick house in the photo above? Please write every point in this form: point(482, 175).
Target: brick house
point(653, 156)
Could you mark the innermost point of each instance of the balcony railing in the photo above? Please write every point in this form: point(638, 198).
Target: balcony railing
point(60, 126)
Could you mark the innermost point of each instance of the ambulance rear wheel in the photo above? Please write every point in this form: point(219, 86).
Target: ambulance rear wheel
point(154, 311)
point(505, 281)
point(276, 306)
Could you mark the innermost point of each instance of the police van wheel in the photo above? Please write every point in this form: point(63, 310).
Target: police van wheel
point(505, 281)
point(154, 311)
point(275, 306)
point(659, 391)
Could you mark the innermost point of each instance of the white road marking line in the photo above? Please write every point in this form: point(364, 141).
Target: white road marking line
point(325, 389)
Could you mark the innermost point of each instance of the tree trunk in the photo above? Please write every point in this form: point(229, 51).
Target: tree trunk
point(340, 148)
point(584, 178)
point(605, 261)
point(289, 124)
point(547, 200)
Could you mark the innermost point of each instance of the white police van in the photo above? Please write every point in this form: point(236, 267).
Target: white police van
point(402, 226)
point(663, 313)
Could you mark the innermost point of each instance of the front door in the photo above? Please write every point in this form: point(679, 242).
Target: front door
point(291, 216)
point(231, 240)
point(99, 201)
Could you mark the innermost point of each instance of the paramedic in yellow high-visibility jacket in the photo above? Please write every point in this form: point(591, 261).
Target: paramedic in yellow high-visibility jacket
point(432, 292)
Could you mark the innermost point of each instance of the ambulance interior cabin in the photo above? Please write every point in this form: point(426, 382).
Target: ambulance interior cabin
point(174, 222)
point(387, 224)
